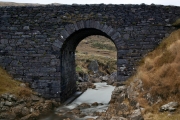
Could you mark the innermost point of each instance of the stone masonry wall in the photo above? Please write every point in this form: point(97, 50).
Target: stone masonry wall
point(33, 40)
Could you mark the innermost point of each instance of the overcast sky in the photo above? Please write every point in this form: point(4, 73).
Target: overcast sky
point(162, 2)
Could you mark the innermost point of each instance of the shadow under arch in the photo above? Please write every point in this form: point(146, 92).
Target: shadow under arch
point(71, 41)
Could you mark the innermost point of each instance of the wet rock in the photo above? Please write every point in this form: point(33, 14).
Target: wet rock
point(82, 115)
point(94, 104)
point(69, 113)
point(96, 80)
point(93, 86)
point(80, 79)
point(113, 76)
point(105, 78)
point(55, 104)
point(110, 82)
point(97, 113)
point(76, 111)
point(171, 106)
point(83, 106)
point(85, 77)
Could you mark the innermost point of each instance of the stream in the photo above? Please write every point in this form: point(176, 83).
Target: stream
point(101, 94)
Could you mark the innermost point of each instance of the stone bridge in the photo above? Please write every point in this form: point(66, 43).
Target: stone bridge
point(37, 44)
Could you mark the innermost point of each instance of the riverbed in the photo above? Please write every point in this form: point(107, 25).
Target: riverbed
point(101, 94)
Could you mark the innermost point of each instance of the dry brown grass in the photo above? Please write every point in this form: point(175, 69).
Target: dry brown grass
point(106, 64)
point(85, 53)
point(9, 85)
point(160, 74)
point(161, 116)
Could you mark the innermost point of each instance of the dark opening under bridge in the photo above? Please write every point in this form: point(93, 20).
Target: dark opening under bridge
point(37, 44)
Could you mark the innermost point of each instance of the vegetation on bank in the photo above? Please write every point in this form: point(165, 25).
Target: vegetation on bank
point(160, 75)
point(99, 45)
point(9, 85)
point(177, 23)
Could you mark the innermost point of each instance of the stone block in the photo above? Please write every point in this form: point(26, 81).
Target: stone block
point(65, 34)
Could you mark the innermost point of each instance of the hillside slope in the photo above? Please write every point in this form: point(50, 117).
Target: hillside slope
point(159, 72)
point(9, 85)
point(97, 48)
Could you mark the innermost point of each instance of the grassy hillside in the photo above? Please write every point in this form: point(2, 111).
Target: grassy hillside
point(96, 48)
point(9, 85)
point(160, 74)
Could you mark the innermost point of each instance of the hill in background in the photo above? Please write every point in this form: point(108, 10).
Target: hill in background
point(97, 48)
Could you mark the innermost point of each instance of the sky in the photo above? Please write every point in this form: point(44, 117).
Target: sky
point(159, 2)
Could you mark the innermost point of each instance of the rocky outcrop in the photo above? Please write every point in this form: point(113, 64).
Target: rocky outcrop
point(171, 107)
point(27, 108)
point(123, 103)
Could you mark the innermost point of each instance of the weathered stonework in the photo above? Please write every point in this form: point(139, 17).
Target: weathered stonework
point(37, 44)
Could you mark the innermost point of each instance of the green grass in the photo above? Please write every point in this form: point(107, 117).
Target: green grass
point(99, 45)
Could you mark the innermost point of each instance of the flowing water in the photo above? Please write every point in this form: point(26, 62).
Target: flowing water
point(102, 95)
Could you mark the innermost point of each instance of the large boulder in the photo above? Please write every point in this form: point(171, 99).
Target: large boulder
point(94, 66)
point(171, 106)
point(136, 115)
point(113, 76)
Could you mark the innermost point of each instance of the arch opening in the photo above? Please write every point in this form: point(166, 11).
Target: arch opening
point(96, 60)
point(68, 65)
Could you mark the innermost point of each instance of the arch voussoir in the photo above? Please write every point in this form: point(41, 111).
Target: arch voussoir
point(97, 25)
point(80, 25)
point(111, 30)
point(75, 26)
point(87, 23)
point(57, 45)
point(64, 34)
point(115, 36)
point(104, 28)
point(70, 28)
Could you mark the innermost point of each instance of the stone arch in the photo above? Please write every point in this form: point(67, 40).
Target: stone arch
point(70, 37)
